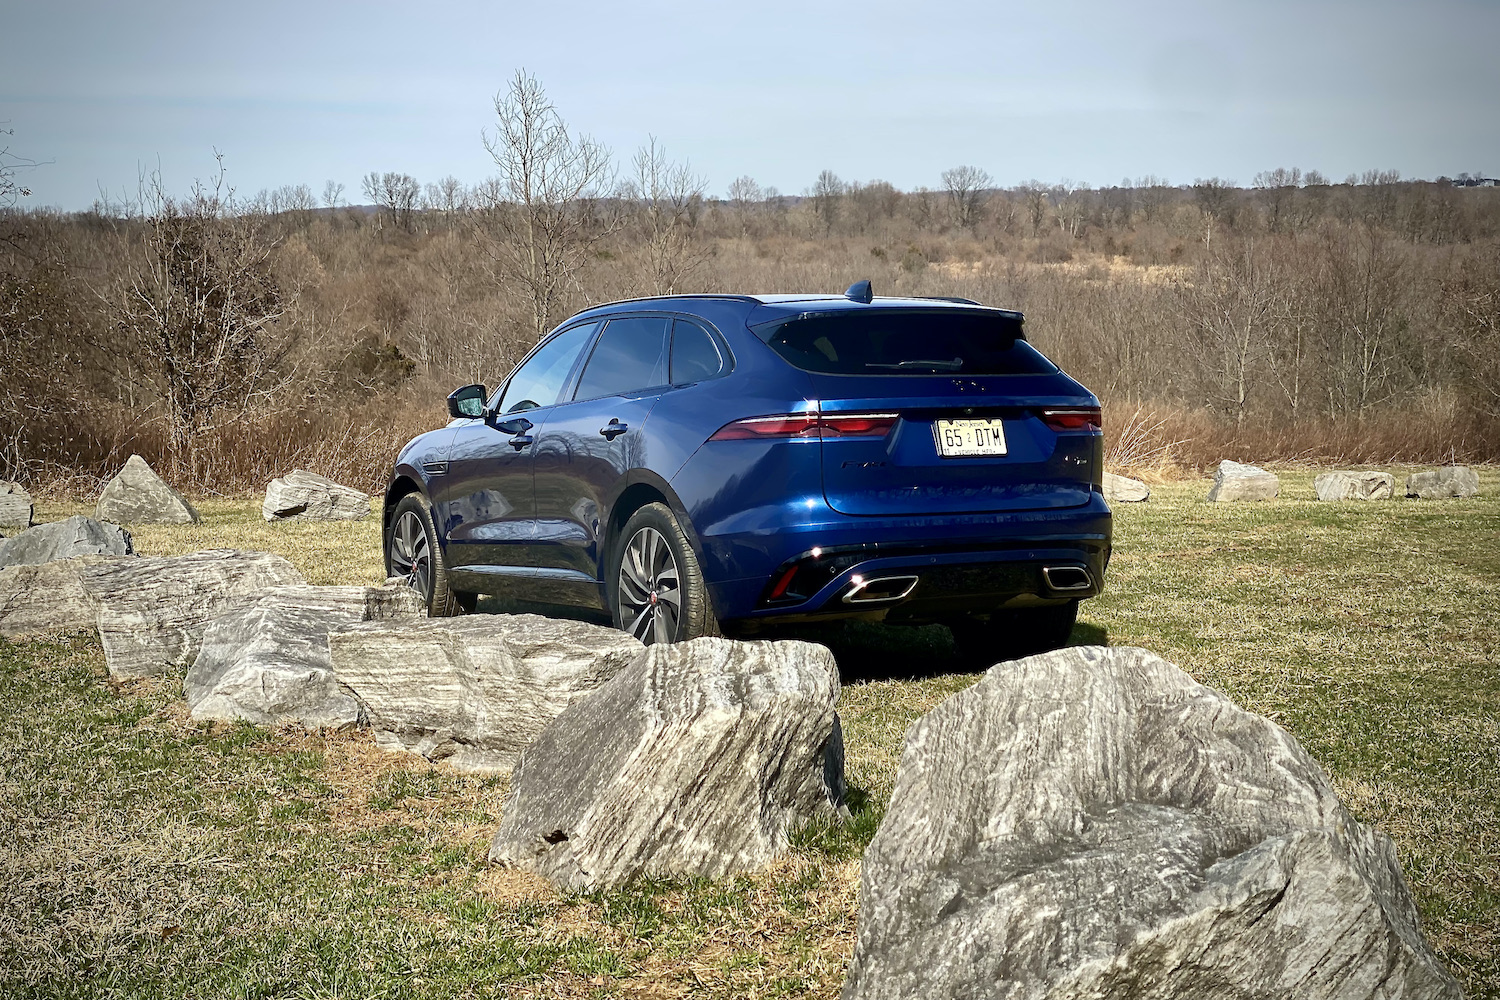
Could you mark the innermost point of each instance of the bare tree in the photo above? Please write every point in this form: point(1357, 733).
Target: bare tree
point(827, 194)
point(666, 194)
point(967, 188)
point(396, 193)
point(333, 194)
point(1277, 191)
point(1216, 200)
point(1035, 195)
point(1233, 301)
point(537, 228)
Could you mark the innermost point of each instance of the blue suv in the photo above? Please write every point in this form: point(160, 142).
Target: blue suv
point(692, 463)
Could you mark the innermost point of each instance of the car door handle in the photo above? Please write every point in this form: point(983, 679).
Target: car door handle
point(520, 441)
point(613, 429)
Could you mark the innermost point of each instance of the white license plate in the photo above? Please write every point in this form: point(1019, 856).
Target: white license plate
point(964, 438)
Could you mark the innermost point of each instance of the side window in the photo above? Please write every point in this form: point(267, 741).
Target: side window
point(631, 354)
point(540, 379)
point(695, 356)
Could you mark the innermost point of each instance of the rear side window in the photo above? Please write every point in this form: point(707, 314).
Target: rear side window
point(888, 342)
point(631, 354)
point(540, 379)
point(695, 356)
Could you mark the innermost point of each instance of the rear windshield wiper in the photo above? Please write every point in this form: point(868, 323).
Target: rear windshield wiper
point(939, 366)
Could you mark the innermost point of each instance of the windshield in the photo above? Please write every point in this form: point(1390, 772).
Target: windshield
point(888, 342)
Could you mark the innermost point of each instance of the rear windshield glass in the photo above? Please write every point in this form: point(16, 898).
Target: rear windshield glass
point(881, 342)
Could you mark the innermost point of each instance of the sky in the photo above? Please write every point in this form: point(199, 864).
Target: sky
point(97, 94)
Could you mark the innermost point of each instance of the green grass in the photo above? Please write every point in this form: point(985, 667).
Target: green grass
point(142, 855)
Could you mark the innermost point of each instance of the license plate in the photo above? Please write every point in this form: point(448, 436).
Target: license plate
point(965, 438)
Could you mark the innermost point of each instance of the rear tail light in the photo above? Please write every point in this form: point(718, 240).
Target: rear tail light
point(808, 425)
point(1077, 418)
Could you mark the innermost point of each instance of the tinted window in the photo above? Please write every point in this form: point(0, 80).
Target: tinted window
point(539, 380)
point(630, 355)
point(882, 342)
point(695, 356)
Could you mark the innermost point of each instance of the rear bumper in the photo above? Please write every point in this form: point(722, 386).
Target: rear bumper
point(961, 564)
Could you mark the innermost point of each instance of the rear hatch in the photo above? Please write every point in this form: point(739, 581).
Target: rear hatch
point(941, 411)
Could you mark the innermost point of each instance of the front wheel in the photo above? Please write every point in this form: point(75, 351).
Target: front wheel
point(1011, 634)
point(658, 594)
point(412, 553)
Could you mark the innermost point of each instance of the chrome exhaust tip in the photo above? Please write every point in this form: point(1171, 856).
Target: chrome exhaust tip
point(1067, 579)
point(878, 589)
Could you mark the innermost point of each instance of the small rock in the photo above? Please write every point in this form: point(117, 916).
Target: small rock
point(474, 690)
point(699, 758)
point(269, 663)
point(48, 598)
point(1437, 484)
point(1355, 486)
point(153, 610)
point(1092, 822)
point(139, 496)
point(1233, 481)
point(77, 536)
point(16, 507)
point(1122, 489)
point(307, 496)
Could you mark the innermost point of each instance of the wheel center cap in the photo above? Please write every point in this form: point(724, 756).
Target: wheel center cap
point(652, 597)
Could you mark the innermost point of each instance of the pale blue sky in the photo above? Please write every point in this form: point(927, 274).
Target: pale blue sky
point(1089, 91)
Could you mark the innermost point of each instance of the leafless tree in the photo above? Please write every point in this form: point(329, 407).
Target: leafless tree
point(534, 228)
point(827, 196)
point(968, 188)
point(1233, 302)
point(1216, 200)
point(333, 194)
point(1035, 195)
point(665, 194)
point(1153, 192)
point(396, 194)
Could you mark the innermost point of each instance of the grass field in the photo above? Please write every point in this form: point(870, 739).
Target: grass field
point(143, 855)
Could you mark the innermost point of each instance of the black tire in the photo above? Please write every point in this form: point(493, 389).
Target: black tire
point(412, 552)
point(656, 589)
point(1008, 635)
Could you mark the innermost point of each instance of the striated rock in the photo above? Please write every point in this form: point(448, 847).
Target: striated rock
point(1233, 481)
point(139, 496)
point(16, 507)
point(77, 536)
point(1437, 484)
point(700, 758)
point(307, 496)
point(1092, 822)
point(1355, 485)
point(1123, 489)
point(153, 610)
point(474, 690)
point(47, 598)
point(269, 663)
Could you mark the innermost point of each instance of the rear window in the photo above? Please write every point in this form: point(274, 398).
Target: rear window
point(880, 342)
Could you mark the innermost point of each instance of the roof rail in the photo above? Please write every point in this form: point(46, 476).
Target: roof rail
point(949, 298)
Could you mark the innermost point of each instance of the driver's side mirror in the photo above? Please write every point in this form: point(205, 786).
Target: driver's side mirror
point(467, 402)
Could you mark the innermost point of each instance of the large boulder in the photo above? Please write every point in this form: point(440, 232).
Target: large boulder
point(700, 758)
point(1234, 481)
point(47, 598)
point(77, 536)
point(1123, 489)
point(16, 507)
point(153, 610)
point(474, 690)
point(1349, 485)
point(307, 496)
point(137, 495)
point(269, 663)
point(1437, 484)
point(1092, 822)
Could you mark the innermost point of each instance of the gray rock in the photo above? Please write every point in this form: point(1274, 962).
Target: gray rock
point(16, 507)
point(307, 496)
point(1437, 484)
point(47, 598)
point(77, 536)
point(700, 758)
point(1233, 481)
point(1355, 486)
point(474, 690)
point(1092, 822)
point(1123, 489)
point(139, 496)
point(269, 663)
point(153, 610)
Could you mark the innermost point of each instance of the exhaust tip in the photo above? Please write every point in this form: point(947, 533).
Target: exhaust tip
point(879, 589)
point(1067, 579)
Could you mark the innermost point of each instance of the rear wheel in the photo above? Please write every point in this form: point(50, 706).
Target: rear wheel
point(412, 553)
point(658, 594)
point(1010, 634)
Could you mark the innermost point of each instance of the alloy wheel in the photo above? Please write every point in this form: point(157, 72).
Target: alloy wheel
point(649, 589)
point(411, 555)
